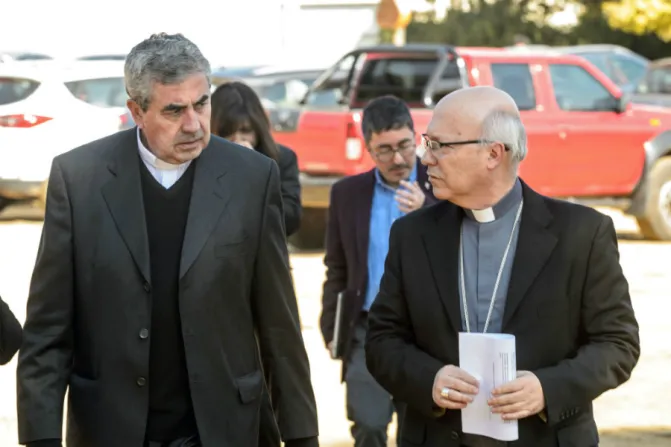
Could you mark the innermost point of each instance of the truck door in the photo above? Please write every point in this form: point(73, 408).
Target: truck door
point(519, 80)
point(602, 153)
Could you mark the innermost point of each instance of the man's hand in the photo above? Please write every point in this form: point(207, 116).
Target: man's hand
point(461, 387)
point(411, 198)
point(518, 399)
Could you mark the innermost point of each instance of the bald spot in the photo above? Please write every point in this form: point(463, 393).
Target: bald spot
point(473, 104)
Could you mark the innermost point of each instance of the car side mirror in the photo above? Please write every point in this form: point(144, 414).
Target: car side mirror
point(622, 103)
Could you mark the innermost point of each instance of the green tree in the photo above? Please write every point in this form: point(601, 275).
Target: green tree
point(640, 17)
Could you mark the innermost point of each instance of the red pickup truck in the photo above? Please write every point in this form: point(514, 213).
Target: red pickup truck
point(586, 141)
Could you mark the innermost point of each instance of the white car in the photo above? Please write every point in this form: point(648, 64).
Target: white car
point(47, 108)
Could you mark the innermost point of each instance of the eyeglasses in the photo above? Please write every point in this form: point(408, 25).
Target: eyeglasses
point(386, 154)
point(434, 146)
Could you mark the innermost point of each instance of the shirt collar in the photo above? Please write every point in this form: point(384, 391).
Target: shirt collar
point(151, 159)
point(380, 181)
point(504, 205)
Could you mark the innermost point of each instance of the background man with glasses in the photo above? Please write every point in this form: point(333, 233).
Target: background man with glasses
point(362, 210)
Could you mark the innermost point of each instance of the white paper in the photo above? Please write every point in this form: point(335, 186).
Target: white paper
point(491, 359)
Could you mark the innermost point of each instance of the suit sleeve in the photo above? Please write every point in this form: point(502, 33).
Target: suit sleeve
point(45, 357)
point(336, 269)
point(392, 356)
point(612, 347)
point(10, 333)
point(283, 353)
point(291, 190)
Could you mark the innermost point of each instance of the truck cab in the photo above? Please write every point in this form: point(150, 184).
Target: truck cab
point(586, 142)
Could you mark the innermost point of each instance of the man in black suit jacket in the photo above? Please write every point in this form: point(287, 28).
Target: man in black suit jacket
point(10, 333)
point(561, 290)
point(156, 275)
point(362, 208)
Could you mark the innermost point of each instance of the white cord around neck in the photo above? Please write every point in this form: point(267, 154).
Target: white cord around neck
point(498, 276)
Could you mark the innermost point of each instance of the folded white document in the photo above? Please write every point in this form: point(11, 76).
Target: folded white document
point(491, 359)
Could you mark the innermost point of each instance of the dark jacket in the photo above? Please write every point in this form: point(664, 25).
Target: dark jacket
point(568, 306)
point(90, 298)
point(347, 239)
point(10, 334)
point(291, 189)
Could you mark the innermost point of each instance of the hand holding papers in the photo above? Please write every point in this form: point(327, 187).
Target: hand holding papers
point(491, 359)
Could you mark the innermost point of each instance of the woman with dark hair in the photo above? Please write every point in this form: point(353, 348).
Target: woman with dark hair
point(238, 116)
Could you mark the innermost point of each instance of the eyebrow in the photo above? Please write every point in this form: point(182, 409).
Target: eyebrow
point(403, 141)
point(179, 107)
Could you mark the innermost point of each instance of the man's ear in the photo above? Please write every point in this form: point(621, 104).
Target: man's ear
point(496, 152)
point(136, 111)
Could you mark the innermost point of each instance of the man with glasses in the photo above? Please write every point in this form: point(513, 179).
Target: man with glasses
point(496, 257)
point(362, 210)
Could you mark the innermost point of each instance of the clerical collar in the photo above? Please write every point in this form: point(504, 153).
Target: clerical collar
point(508, 201)
point(152, 160)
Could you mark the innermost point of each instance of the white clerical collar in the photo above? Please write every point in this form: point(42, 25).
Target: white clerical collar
point(152, 160)
point(500, 209)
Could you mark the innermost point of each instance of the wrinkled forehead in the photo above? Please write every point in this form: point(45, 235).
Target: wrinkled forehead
point(452, 122)
point(191, 91)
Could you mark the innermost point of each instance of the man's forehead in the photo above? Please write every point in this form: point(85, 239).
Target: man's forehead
point(446, 123)
point(392, 135)
point(190, 91)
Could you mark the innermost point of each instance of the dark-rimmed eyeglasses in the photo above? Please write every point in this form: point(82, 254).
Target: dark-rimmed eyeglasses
point(435, 146)
point(386, 154)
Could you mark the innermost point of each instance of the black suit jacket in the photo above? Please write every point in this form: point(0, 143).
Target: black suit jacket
point(89, 300)
point(10, 334)
point(347, 237)
point(291, 189)
point(568, 305)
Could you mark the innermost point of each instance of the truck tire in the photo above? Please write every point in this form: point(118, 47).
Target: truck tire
point(656, 224)
point(4, 203)
point(310, 235)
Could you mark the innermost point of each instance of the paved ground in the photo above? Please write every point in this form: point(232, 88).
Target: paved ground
point(637, 414)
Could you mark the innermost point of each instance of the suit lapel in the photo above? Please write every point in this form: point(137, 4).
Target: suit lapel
point(442, 247)
point(364, 202)
point(123, 195)
point(209, 198)
point(535, 244)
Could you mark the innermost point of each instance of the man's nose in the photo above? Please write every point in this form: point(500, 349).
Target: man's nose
point(398, 158)
point(427, 158)
point(190, 122)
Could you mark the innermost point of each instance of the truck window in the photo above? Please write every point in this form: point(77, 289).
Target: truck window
point(515, 79)
point(332, 91)
point(405, 78)
point(577, 90)
point(658, 80)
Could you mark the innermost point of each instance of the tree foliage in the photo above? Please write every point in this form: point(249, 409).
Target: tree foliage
point(500, 23)
point(640, 16)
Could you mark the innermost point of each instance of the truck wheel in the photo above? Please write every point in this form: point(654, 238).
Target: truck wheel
point(656, 224)
point(4, 203)
point(310, 235)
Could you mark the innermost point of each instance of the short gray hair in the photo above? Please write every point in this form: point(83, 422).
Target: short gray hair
point(164, 59)
point(507, 128)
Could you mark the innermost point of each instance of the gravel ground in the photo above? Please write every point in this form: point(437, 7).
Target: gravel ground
point(637, 414)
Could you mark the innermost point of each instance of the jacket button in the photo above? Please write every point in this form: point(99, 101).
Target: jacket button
point(141, 381)
point(454, 435)
point(144, 333)
point(146, 287)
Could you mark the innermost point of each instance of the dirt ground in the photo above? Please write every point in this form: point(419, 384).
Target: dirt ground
point(637, 414)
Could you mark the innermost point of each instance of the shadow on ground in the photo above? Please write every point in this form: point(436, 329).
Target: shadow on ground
point(624, 437)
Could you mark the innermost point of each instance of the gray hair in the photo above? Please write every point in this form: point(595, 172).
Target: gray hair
point(164, 59)
point(507, 128)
